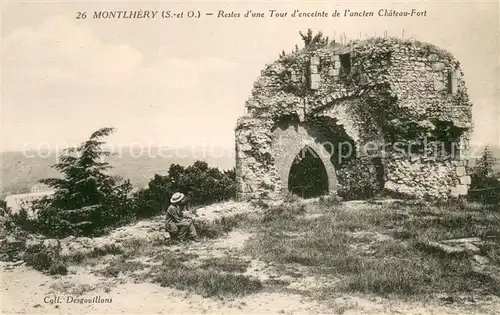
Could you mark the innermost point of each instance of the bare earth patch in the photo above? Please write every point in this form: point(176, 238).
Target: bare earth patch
point(148, 275)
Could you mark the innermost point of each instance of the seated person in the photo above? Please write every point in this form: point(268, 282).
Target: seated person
point(178, 225)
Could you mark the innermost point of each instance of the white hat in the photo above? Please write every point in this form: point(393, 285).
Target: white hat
point(177, 197)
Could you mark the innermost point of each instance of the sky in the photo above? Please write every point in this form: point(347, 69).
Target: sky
point(184, 82)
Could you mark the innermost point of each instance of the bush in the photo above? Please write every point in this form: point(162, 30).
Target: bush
point(20, 220)
point(45, 260)
point(58, 268)
point(3, 208)
point(120, 264)
point(218, 227)
point(39, 260)
point(202, 185)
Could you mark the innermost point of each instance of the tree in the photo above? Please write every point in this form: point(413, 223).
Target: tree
point(485, 183)
point(86, 198)
point(307, 38)
point(485, 164)
point(313, 41)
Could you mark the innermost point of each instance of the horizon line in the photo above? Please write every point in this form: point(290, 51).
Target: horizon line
point(201, 146)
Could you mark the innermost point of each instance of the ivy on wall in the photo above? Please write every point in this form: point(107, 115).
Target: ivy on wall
point(358, 178)
point(379, 105)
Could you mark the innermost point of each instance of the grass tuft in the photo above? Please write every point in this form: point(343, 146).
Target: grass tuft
point(206, 282)
point(121, 265)
point(226, 264)
point(58, 268)
point(219, 227)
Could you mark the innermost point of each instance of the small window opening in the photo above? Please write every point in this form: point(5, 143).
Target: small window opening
point(345, 62)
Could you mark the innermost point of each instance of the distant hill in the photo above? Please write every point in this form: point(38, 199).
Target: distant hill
point(20, 171)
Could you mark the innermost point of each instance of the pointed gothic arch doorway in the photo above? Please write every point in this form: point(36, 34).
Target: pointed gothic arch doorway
point(308, 177)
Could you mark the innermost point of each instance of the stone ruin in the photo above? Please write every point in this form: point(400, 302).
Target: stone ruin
point(381, 114)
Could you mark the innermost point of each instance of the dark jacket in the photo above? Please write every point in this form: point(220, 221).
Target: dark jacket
point(173, 217)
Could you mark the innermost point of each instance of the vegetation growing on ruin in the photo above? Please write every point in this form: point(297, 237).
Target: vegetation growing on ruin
point(314, 41)
point(380, 45)
point(370, 62)
point(358, 179)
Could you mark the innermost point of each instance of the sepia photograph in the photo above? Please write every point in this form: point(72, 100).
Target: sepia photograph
point(254, 157)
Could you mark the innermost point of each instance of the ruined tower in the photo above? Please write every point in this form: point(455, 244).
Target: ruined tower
point(354, 119)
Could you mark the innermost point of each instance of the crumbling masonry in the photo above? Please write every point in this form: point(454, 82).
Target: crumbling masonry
point(380, 114)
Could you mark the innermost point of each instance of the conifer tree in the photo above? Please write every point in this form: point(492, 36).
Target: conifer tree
point(485, 185)
point(86, 198)
point(486, 163)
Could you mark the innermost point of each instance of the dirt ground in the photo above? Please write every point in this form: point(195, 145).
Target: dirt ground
point(27, 291)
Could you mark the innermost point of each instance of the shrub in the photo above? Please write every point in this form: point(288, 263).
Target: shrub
point(313, 41)
point(20, 220)
point(108, 249)
point(58, 268)
point(202, 185)
point(120, 264)
point(3, 208)
point(39, 260)
point(44, 259)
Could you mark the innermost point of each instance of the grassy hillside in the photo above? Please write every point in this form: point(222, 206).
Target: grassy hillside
point(19, 172)
point(375, 257)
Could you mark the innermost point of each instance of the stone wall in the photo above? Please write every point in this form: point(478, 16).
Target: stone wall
point(393, 99)
point(255, 170)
